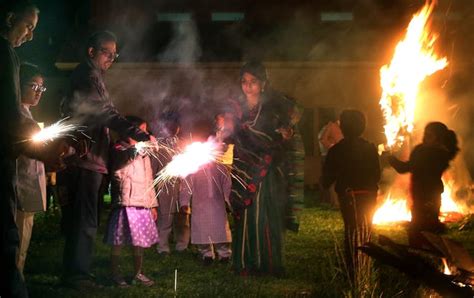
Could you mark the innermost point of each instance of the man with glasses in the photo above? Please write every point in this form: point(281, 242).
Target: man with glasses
point(37, 88)
point(88, 103)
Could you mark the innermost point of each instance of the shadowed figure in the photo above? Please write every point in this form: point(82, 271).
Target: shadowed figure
point(18, 20)
point(353, 165)
point(426, 164)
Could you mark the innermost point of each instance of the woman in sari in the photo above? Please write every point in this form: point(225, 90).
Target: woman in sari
point(260, 193)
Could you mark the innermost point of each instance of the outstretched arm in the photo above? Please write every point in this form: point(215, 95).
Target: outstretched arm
point(399, 166)
point(90, 105)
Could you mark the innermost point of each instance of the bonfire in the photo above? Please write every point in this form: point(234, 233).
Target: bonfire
point(413, 61)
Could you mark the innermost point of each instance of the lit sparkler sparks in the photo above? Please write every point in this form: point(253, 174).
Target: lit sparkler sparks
point(155, 148)
point(54, 131)
point(413, 61)
point(193, 157)
point(150, 148)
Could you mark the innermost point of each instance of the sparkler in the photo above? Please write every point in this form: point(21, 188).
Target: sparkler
point(175, 280)
point(150, 148)
point(193, 157)
point(155, 149)
point(57, 130)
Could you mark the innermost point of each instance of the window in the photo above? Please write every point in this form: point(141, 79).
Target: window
point(227, 16)
point(336, 16)
point(174, 16)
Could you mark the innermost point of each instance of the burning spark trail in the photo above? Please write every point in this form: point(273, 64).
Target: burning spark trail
point(57, 130)
point(154, 148)
point(193, 157)
point(413, 61)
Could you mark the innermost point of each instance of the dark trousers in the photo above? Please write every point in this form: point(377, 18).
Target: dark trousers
point(11, 281)
point(425, 217)
point(357, 212)
point(81, 225)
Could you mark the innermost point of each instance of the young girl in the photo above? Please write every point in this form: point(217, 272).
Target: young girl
point(427, 163)
point(132, 220)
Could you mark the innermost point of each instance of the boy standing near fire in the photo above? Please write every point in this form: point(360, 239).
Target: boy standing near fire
point(353, 165)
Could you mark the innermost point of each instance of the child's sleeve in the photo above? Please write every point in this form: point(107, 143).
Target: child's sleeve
point(120, 156)
point(399, 166)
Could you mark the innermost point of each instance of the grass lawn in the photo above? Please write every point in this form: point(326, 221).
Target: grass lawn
point(311, 262)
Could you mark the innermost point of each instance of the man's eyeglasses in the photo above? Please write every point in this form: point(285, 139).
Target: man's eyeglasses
point(110, 55)
point(35, 87)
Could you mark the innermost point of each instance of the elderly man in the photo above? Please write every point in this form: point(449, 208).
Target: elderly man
point(89, 104)
point(18, 20)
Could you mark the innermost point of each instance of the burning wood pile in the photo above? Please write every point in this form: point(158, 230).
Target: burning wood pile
point(442, 264)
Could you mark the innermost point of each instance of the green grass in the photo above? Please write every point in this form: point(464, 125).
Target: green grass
point(310, 256)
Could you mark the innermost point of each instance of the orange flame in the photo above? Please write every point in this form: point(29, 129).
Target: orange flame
point(413, 61)
point(446, 269)
point(396, 210)
point(392, 210)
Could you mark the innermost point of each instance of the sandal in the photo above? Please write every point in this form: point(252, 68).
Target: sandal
point(140, 278)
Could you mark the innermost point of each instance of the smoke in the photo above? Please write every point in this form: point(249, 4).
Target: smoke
point(178, 84)
point(185, 46)
point(271, 33)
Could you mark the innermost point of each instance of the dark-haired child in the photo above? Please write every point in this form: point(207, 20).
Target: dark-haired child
point(426, 164)
point(353, 165)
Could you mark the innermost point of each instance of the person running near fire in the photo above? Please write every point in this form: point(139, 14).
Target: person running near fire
point(426, 164)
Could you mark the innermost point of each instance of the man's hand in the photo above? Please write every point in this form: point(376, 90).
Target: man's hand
point(52, 160)
point(132, 141)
